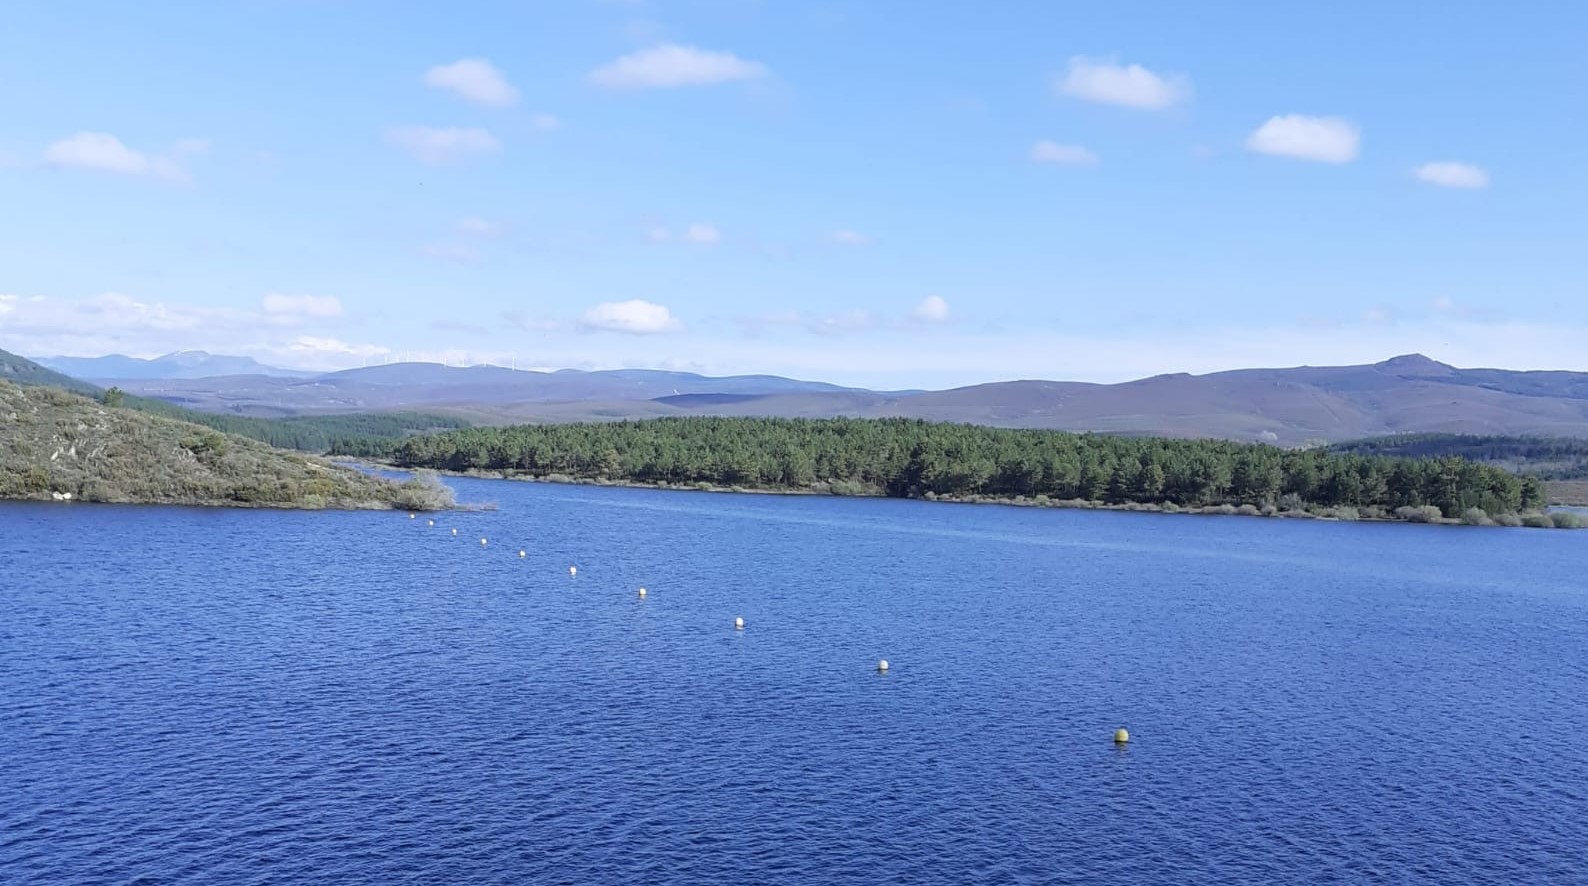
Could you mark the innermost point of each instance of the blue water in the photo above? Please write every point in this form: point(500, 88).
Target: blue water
point(204, 696)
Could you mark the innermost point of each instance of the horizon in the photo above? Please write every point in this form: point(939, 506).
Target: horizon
point(871, 195)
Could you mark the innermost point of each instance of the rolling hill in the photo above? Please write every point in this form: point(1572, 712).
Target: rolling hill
point(182, 364)
point(1409, 394)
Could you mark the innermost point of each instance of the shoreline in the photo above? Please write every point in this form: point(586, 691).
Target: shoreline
point(1224, 510)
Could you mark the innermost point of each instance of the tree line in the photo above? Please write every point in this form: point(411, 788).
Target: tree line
point(1549, 458)
point(306, 433)
point(913, 458)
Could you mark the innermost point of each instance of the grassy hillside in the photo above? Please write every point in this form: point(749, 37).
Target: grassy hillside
point(55, 444)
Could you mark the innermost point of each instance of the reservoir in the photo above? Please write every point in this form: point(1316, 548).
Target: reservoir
point(231, 696)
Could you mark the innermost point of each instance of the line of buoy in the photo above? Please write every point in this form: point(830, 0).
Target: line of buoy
point(1121, 736)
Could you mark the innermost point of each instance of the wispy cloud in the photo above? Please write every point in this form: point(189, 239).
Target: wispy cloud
point(1131, 86)
point(440, 146)
point(1062, 155)
point(1317, 139)
point(545, 122)
point(297, 307)
point(475, 226)
point(850, 238)
point(670, 66)
point(102, 152)
point(932, 309)
point(1450, 174)
point(703, 233)
point(475, 80)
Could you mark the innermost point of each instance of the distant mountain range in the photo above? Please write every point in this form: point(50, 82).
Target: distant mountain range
point(182, 364)
point(1289, 406)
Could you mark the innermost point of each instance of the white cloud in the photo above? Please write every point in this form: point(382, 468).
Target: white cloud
point(1318, 139)
point(1131, 86)
point(635, 316)
point(851, 238)
point(1062, 155)
point(932, 309)
point(702, 233)
point(474, 226)
point(441, 146)
point(320, 346)
point(1450, 174)
point(102, 152)
point(670, 66)
point(1444, 303)
point(545, 122)
point(659, 234)
point(475, 80)
point(298, 306)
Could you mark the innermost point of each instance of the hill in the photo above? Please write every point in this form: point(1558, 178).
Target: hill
point(314, 433)
point(182, 364)
point(56, 445)
point(22, 371)
point(1410, 394)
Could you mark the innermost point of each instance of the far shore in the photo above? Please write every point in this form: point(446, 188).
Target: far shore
point(1337, 515)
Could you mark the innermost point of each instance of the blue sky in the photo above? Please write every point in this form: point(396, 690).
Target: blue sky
point(880, 193)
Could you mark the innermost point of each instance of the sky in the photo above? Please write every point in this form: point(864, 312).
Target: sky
point(869, 192)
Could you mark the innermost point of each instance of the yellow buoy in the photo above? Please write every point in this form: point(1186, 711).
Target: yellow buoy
point(642, 593)
point(738, 623)
point(1121, 736)
point(522, 555)
point(882, 665)
point(573, 570)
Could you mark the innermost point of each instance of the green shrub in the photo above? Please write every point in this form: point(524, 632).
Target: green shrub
point(1507, 520)
point(1345, 512)
point(1476, 517)
point(1424, 514)
point(1568, 520)
point(1538, 521)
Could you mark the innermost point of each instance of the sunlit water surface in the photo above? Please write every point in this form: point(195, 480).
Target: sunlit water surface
point(207, 696)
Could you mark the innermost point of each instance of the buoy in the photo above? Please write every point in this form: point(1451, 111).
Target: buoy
point(454, 532)
point(573, 570)
point(738, 623)
point(642, 593)
point(882, 665)
point(482, 541)
point(410, 516)
point(522, 555)
point(1121, 736)
point(430, 522)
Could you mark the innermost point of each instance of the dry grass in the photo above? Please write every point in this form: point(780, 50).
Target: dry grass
point(1567, 492)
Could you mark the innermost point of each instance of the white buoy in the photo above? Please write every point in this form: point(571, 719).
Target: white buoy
point(482, 541)
point(430, 522)
point(522, 555)
point(573, 570)
point(882, 665)
point(454, 532)
point(642, 593)
point(738, 623)
point(410, 516)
